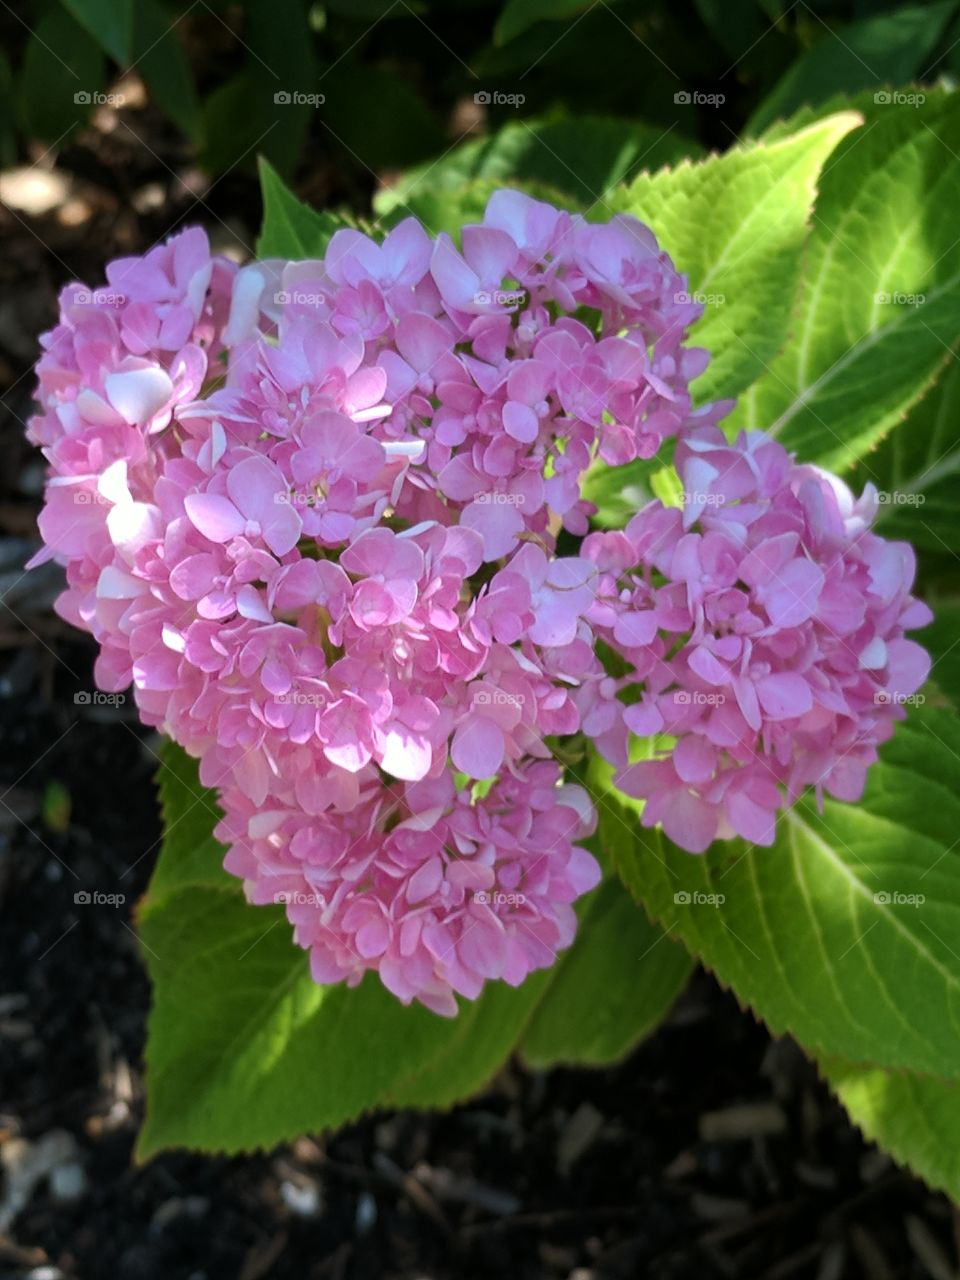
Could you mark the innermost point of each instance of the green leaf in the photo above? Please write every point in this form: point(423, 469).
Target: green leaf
point(517, 15)
point(367, 11)
point(110, 22)
point(887, 49)
point(618, 492)
point(244, 1050)
point(940, 639)
point(8, 114)
point(865, 103)
point(916, 470)
point(235, 123)
point(450, 210)
point(880, 305)
point(844, 932)
point(62, 71)
point(159, 57)
point(915, 1119)
point(610, 989)
point(377, 118)
point(284, 75)
point(582, 158)
point(291, 229)
point(191, 857)
point(735, 24)
point(736, 225)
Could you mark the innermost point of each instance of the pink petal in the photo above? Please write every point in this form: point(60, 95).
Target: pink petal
point(750, 820)
point(193, 577)
point(216, 517)
point(689, 821)
point(708, 667)
point(908, 665)
point(477, 748)
point(694, 758)
point(373, 938)
point(793, 595)
point(483, 947)
point(784, 695)
point(421, 340)
point(458, 285)
point(254, 485)
point(406, 754)
point(491, 253)
point(138, 394)
point(520, 421)
point(426, 880)
point(497, 524)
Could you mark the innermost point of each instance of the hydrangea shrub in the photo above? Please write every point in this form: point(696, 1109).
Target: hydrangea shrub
point(478, 600)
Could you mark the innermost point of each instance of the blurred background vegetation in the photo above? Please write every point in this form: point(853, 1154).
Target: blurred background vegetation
point(347, 92)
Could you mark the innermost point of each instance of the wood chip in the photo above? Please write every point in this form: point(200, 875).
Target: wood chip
point(746, 1120)
point(869, 1254)
point(717, 1208)
point(928, 1249)
point(579, 1133)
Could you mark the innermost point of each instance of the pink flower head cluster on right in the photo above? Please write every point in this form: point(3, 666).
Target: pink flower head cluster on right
point(765, 626)
point(327, 519)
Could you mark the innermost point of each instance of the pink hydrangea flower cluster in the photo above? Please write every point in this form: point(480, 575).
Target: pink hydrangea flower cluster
point(311, 511)
point(765, 627)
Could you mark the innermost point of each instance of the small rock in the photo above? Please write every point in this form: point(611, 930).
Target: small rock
point(25, 1164)
point(366, 1214)
point(68, 1182)
point(178, 1207)
point(303, 1198)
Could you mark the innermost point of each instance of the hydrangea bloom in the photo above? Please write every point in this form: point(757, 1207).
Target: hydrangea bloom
point(765, 626)
point(311, 510)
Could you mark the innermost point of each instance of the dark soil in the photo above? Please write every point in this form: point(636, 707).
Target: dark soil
point(710, 1152)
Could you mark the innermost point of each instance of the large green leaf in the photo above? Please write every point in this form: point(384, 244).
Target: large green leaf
point(942, 639)
point(880, 305)
point(110, 22)
point(736, 224)
point(916, 470)
point(61, 73)
point(291, 229)
point(735, 24)
point(844, 933)
point(916, 1119)
point(582, 158)
point(888, 48)
point(8, 114)
point(610, 989)
point(159, 57)
point(245, 1050)
point(284, 75)
point(236, 124)
point(518, 15)
point(869, 103)
point(377, 117)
